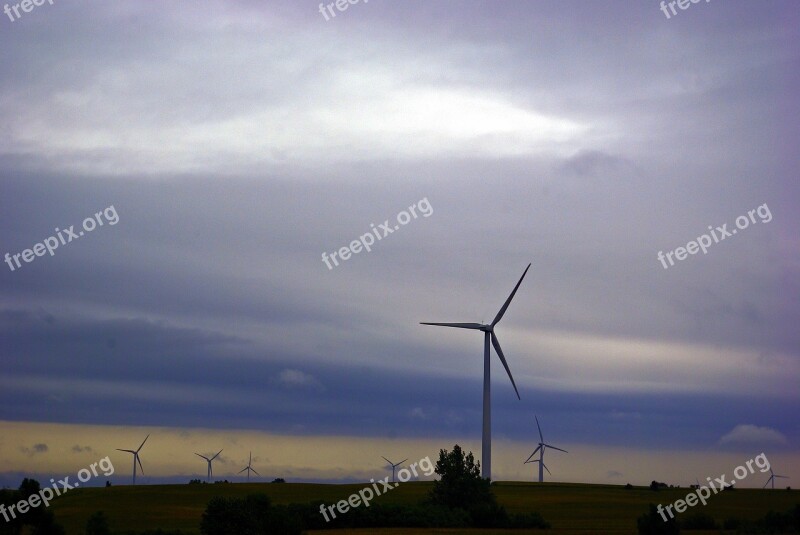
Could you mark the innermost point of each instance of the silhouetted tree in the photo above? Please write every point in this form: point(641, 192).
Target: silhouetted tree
point(460, 483)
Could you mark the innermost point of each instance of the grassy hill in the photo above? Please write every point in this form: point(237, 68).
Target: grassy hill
point(571, 508)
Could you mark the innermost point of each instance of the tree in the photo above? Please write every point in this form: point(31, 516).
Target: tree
point(460, 483)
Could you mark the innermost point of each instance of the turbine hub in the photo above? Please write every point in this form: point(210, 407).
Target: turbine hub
point(487, 328)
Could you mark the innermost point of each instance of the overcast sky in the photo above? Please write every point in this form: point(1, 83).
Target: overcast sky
point(226, 145)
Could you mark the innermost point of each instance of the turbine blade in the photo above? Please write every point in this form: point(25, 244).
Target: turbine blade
point(215, 456)
point(458, 325)
point(143, 441)
point(548, 470)
point(553, 447)
point(528, 460)
point(129, 451)
point(404, 460)
point(767, 483)
point(496, 345)
point(534, 453)
point(202, 456)
point(385, 459)
point(541, 438)
point(141, 468)
point(243, 469)
point(510, 297)
point(784, 477)
point(254, 471)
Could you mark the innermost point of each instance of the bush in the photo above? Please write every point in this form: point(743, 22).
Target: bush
point(527, 521)
point(652, 523)
point(236, 516)
point(772, 522)
point(98, 524)
point(39, 520)
point(698, 521)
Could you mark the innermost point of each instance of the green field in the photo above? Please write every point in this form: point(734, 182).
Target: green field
point(574, 509)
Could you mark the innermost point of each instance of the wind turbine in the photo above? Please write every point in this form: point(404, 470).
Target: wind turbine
point(488, 334)
point(208, 477)
point(393, 465)
point(249, 467)
point(136, 458)
point(772, 477)
point(540, 448)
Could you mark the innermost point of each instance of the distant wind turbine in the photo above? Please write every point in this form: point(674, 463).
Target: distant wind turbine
point(542, 446)
point(208, 477)
point(488, 334)
point(772, 477)
point(249, 467)
point(136, 458)
point(393, 465)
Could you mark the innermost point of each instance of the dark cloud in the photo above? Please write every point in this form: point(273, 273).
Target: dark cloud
point(35, 449)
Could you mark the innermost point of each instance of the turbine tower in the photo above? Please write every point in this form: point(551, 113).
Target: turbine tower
point(208, 477)
point(772, 476)
point(542, 446)
point(136, 458)
point(249, 467)
point(488, 334)
point(393, 465)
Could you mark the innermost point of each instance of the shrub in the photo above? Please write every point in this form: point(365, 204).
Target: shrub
point(98, 524)
point(651, 523)
point(698, 521)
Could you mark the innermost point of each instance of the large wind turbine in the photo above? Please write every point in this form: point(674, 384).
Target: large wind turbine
point(136, 458)
point(393, 465)
point(249, 467)
point(772, 477)
point(542, 446)
point(208, 477)
point(488, 334)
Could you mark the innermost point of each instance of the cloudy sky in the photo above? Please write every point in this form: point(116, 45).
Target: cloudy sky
point(226, 145)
